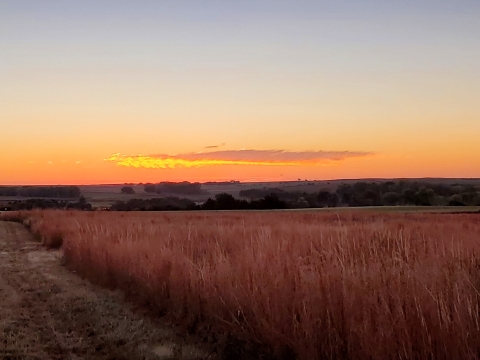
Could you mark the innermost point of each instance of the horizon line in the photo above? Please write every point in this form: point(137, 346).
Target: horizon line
point(252, 181)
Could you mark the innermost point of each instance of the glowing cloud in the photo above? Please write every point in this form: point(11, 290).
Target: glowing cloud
point(233, 157)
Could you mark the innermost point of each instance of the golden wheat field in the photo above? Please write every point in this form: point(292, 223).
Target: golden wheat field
point(305, 285)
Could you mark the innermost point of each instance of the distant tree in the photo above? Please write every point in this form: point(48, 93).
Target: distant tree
point(469, 197)
point(225, 201)
point(127, 190)
point(210, 204)
point(322, 198)
point(345, 194)
point(455, 203)
point(332, 200)
point(409, 196)
point(8, 191)
point(261, 193)
point(391, 198)
point(370, 198)
point(302, 202)
point(41, 191)
point(159, 204)
point(425, 197)
point(360, 186)
point(149, 188)
point(273, 202)
point(184, 187)
point(455, 200)
point(30, 204)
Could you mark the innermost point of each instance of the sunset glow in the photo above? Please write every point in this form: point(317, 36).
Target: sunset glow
point(238, 90)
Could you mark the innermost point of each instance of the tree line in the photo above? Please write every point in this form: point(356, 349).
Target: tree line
point(65, 192)
point(388, 193)
point(31, 204)
point(167, 187)
point(222, 201)
point(361, 193)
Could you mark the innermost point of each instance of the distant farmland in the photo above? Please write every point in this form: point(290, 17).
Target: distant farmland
point(310, 285)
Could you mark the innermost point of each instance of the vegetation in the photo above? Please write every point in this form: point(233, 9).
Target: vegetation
point(350, 285)
point(182, 188)
point(358, 194)
point(221, 201)
point(41, 191)
point(30, 204)
point(355, 194)
point(127, 190)
point(226, 201)
point(160, 204)
point(389, 193)
point(231, 182)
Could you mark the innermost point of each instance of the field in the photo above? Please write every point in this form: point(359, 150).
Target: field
point(49, 313)
point(306, 285)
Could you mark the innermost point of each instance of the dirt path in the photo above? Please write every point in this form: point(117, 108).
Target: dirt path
point(47, 312)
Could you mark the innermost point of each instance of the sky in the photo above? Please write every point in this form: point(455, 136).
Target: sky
point(146, 91)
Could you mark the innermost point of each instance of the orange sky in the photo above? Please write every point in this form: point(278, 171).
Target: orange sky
point(261, 93)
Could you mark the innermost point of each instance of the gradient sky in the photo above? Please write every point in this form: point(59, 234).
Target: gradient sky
point(132, 91)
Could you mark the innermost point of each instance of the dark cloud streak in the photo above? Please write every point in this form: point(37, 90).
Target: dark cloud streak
point(214, 146)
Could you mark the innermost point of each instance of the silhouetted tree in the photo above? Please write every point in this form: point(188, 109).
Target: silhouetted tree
point(322, 198)
point(391, 198)
point(225, 201)
point(149, 188)
point(127, 190)
point(272, 202)
point(409, 196)
point(332, 200)
point(425, 197)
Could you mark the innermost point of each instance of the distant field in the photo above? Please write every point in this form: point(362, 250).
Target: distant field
point(343, 284)
point(105, 195)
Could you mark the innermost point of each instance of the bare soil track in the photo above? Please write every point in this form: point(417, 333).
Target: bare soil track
point(47, 312)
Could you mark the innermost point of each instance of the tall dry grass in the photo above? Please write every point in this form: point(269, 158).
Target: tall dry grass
point(308, 285)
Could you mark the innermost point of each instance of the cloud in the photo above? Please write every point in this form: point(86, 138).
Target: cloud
point(214, 146)
point(234, 157)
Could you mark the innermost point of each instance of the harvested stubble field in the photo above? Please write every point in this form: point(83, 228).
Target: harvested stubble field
point(304, 285)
